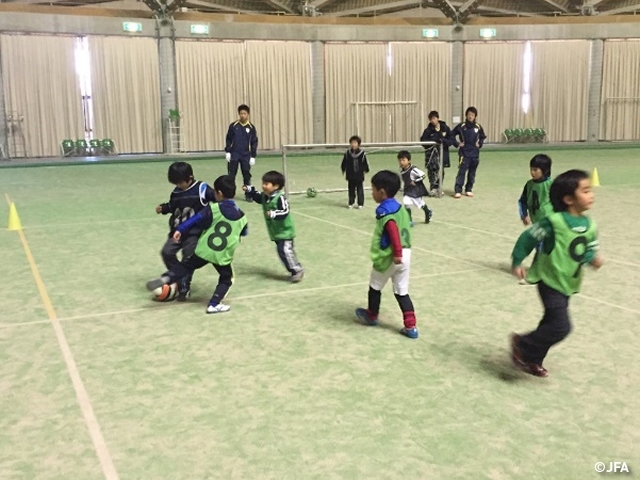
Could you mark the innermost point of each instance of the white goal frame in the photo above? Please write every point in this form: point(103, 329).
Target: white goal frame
point(369, 147)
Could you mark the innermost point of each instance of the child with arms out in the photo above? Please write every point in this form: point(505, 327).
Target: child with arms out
point(279, 221)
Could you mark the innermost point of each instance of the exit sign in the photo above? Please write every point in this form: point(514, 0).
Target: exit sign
point(487, 32)
point(199, 29)
point(131, 27)
point(430, 33)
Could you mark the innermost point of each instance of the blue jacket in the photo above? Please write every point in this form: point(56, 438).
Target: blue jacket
point(242, 141)
point(470, 133)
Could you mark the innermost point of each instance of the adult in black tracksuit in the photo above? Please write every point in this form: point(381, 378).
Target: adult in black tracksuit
point(354, 166)
point(242, 146)
point(472, 138)
point(439, 132)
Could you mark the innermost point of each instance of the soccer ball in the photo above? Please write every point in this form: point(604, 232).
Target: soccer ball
point(311, 192)
point(166, 293)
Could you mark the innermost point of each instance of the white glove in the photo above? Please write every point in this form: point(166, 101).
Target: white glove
point(252, 161)
point(227, 156)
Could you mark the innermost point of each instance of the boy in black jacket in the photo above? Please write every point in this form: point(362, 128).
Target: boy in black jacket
point(354, 166)
point(188, 198)
point(439, 132)
point(471, 140)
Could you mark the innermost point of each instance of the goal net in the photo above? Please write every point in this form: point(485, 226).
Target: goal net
point(318, 166)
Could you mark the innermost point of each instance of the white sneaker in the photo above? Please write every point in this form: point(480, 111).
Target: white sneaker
point(359, 207)
point(220, 308)
point(469, 194)
point(349, 206)
point(457, 195)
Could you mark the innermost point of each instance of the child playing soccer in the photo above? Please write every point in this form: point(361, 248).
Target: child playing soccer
point(390, 253)
point(471, 140)
point(414, 188)
point(569, 241)
point(354, 166)
point(534, 203)
point(223, 224)
point(279, 221)
point(188, 198)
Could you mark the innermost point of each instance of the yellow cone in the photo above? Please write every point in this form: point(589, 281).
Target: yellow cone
point(14, 219)
point(595, 179)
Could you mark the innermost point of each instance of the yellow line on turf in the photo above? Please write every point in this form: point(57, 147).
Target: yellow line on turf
point(482, 267)
point(246, 297)
point(95, 433)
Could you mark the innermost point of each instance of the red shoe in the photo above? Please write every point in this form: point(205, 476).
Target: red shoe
point(536, 370)
point(516, 358)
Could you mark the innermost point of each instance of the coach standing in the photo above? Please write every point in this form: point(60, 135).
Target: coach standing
point(242, 146)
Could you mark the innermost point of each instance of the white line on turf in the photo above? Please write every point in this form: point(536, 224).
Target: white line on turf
point(609, 304)
point(483, 267)
point(246, 297)
point(513, 239)
point(413, 247)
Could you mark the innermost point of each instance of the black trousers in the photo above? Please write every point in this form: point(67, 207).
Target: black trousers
point(470, 165)
point(182, 273)
point(288, 256)
point(356, 186)
point(553, 328)
point(244, 166)
point(432, 165)
point(171, 248)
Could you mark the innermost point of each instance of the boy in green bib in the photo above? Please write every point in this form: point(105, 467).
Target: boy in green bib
point(222, 223)
point(569, 241)
point(390, 253)
point(279, 221)
point(534, 203)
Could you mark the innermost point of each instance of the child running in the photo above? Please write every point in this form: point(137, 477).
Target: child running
point(414, 188)
point(569, 241)
point(390, 254)
point(279, 221)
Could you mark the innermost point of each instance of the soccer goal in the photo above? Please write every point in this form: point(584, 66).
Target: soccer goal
point(318, 166)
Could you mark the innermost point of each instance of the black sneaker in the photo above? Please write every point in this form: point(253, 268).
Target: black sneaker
point(183, 296)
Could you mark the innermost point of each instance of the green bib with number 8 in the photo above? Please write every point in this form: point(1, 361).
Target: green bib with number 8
point(561, 269)
point(218, 243)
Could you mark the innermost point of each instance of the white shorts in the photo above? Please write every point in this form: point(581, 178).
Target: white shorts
point(399, 275)
point(409, 201)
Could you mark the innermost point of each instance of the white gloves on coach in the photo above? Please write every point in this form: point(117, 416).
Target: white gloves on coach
point(252, 161)
point(227, 156)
